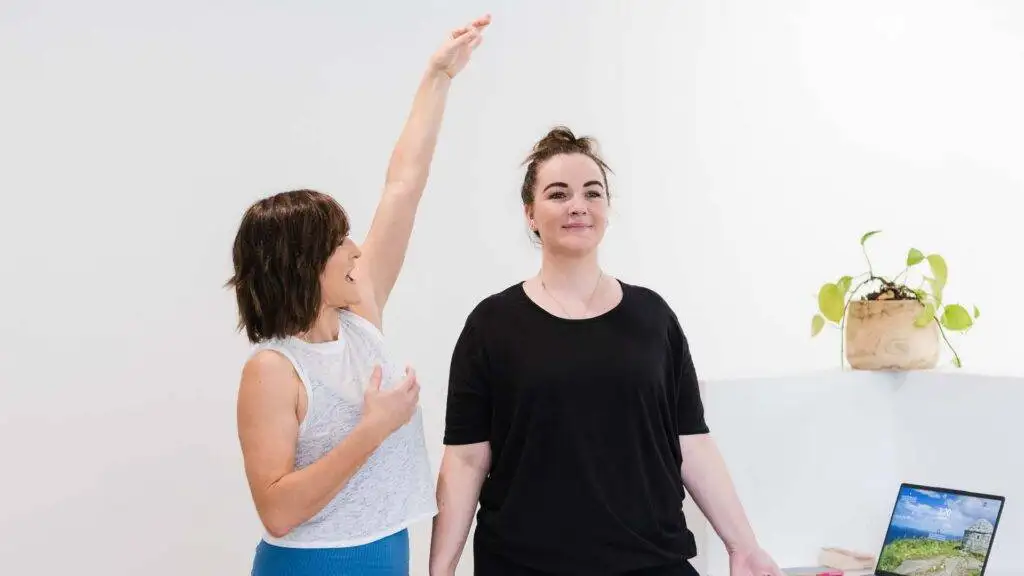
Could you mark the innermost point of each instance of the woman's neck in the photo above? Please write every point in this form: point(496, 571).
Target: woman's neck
point(325, 329)
point(573, 275)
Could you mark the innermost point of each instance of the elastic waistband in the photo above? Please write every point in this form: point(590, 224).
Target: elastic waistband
point(388, 556)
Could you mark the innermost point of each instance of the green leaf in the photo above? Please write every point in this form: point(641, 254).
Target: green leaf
point(936, 290)
point(817, 323)
point(830, 302)
point(956, 362)
point(921, 294)
point(914, 257)
point(844, 284)
point(939, 270)
point(925, 316)
point(955, 317)
point(976, 312)
point(865, 237)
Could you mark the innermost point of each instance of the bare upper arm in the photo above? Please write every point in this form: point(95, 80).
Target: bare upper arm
point(387, 241)
point(268, 419)
point(691, 442)
point(476, 455)
point(695, 449)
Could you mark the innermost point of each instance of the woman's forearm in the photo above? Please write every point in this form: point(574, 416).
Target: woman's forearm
point(409, 167)
point(414, 151)
point(299, 495)
point(463, 469)
point(391, 228)
point(707, 479)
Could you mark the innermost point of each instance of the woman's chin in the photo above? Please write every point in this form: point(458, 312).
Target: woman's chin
point(344, 301)
point(576, 244)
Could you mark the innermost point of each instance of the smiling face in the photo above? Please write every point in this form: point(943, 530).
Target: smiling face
point(337, 287)
point(569, 211)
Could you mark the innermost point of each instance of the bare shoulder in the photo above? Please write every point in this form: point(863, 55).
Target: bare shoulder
point(269, 383)
point(267, 366)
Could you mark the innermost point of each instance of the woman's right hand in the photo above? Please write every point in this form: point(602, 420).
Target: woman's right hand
point(454, 54)
point(390, 409)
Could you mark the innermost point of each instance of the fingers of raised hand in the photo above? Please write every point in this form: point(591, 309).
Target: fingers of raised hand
point(481, 22)
point(472, 29)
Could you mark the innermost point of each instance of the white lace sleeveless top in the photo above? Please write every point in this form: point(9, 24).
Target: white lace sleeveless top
point(395, 487)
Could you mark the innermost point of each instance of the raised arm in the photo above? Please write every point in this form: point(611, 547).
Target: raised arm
point(383, 251)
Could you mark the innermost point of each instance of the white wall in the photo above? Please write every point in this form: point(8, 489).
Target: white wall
point(133, 136)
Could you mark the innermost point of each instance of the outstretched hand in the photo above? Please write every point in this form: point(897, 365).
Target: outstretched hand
point(454, 54)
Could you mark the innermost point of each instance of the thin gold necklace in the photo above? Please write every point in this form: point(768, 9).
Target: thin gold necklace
point(586, 305)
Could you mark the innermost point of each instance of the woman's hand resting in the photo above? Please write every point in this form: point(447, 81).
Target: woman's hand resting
point(388, 410)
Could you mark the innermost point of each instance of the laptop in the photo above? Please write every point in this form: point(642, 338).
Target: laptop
point(939, 532)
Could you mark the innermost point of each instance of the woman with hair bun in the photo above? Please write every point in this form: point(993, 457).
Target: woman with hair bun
point(574, 417)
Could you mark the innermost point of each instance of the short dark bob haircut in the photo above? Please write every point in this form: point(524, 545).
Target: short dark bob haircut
point(279, 254)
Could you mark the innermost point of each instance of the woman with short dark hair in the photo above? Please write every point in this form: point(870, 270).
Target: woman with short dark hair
point(329, 426)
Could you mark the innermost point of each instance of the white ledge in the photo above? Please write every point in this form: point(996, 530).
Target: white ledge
point(818, 457)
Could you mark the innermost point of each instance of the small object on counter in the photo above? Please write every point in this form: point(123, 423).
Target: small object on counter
point(843, 559)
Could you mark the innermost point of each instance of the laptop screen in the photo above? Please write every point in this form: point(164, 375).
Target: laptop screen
point(938, 531)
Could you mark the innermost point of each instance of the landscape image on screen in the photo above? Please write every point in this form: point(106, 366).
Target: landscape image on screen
point(938, 534)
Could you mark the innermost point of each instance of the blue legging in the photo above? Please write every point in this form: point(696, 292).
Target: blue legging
point(385, 557)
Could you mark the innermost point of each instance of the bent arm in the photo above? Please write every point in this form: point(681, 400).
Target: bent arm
point(388, 238)
point(707, 479)
point(268, 427)
point(463, 469)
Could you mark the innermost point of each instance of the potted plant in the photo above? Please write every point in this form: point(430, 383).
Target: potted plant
point(886, 323)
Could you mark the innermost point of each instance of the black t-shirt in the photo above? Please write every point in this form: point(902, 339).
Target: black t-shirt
point(583, 419)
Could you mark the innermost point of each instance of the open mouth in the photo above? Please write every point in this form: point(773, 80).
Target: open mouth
point(349, 278)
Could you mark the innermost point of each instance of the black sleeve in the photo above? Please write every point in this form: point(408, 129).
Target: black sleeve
point(689, 407)
point(468, 412)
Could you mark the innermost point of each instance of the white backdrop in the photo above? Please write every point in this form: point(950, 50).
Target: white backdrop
point(752, 144)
